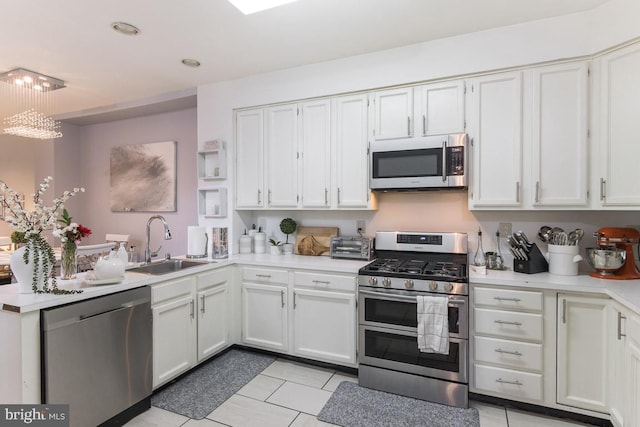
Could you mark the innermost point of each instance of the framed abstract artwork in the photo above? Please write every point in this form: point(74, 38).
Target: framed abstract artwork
point(143, 177)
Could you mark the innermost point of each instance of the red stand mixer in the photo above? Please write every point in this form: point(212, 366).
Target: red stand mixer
point(614, 257)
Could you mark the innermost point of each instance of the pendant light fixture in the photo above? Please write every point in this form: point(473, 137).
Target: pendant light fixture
point(30, 92)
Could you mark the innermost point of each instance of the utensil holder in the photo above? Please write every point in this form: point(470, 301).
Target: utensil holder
point(536, 263)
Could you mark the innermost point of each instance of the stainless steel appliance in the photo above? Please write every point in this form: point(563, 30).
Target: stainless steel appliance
point(409, 264)
point(614, 257)
point(351, 247)
point(428, 163)
point(97, 357)
point(5, 274)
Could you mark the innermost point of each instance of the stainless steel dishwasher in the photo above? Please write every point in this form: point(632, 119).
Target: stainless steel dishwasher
point(97, 357)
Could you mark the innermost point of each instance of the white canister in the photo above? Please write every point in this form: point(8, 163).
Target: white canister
point(252, 234)
point(260, 242)
point(563, 260)
point(245, 244)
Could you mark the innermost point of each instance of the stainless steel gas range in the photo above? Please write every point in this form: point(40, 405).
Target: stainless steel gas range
point(409, 264)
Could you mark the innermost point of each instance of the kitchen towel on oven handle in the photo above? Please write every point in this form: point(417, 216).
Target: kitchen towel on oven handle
point(433, 324)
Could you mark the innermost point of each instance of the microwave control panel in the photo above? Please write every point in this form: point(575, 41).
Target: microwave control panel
point(455, 160)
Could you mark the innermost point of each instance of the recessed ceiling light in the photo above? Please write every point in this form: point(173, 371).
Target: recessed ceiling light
point(252, 6)
point(124, 28)
point(191, 62)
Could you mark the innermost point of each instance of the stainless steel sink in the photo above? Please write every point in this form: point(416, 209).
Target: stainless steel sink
point(169, 266)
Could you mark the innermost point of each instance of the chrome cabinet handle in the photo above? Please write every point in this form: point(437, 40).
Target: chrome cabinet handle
point(603, 189)
point(620, 334)
point(266, 276)
point(537, 191)
point(424, 124)
point(202, 308)
point(504, 322)
point(506, 299)
point(515, 353)
point(282, 297)
point(192, 308)
point(564, 311)
point(338, 195)
point(269, 197)
point(321, 282)
point(516, 382)
point(409, 126)
point(259, 196)
point(294, 300)
point(518, 192)
point(326, 196)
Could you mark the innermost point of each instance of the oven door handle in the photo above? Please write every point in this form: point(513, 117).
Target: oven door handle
point(408, 298)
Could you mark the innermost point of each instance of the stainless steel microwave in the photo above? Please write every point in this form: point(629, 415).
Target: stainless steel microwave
point(427, 163)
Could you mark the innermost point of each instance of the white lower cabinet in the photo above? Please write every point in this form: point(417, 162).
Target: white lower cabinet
point(264, 308)
point(324, 317)
point(632, 366)
point(307, 314)
point(624, 373)
point(582, 350)
point(189, 322)
point(507, 343)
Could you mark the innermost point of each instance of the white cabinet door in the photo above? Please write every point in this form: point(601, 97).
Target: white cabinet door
point(249, 159)
point(582, 352)
point(324, 325)
point(632, 367)
point(620, 127)
point(282, 156)
point(442, 108)
point(351, 158)
point(559, 134)
point(173, 339)
point(264, 316)
point(393, 112)
point(315, 141)
point(617, 366)
point(495, 126)
point(212, 320)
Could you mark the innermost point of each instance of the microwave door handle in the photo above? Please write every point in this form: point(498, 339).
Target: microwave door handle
point(444, 161)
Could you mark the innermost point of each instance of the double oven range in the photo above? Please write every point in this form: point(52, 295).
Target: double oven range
point(409, 264)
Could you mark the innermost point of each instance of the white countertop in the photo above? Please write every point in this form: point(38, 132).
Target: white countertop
point(11, 300)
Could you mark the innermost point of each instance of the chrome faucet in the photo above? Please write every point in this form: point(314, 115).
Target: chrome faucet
point(148, 253)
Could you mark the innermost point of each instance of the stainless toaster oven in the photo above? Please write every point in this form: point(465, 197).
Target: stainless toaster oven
point(352, 247)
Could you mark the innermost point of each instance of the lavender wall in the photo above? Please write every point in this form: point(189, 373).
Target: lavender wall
point(96, 142)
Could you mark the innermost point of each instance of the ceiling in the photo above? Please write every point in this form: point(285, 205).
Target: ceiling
point(107, 72)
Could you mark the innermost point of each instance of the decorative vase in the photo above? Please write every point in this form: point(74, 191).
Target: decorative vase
point(287, 248)
point(275, 250)
point(24, 272)
point(68, 260)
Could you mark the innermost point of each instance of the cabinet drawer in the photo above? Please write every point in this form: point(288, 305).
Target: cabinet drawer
point(513, 354)
point(325, 281)
point(169, 290)
point(212, 278)
point(265, 275)
point(509, 382)
point(508, 299)
point(510, 324)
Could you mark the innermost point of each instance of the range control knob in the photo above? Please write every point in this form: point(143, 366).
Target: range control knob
point(386, 282)
point(433, 286)
point(408, 284)
point(448, 287)
point(373, 281)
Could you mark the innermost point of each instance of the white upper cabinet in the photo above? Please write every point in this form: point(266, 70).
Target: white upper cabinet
point(441, 108)
point(282, 156)
point(619, 173)
point(350, 152)
point(315, 146)
point(249, 159)
point(393, 112)
point(559, 136)
point(495, 127)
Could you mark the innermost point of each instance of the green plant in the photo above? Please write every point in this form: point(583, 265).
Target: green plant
point(288, 226)
point(275, 242)
point(18, 237)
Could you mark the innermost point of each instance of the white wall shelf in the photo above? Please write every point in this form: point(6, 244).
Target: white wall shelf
point(212, 163)
point(212, 203)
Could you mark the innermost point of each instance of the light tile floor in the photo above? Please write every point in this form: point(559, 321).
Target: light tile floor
point(290, 394)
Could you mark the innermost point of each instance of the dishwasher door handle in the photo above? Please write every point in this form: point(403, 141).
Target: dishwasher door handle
point(112, 310)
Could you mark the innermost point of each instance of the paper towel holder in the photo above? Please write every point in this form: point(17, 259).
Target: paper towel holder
point(206, 246)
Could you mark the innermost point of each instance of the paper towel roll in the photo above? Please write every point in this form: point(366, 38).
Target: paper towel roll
point(196, 241)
